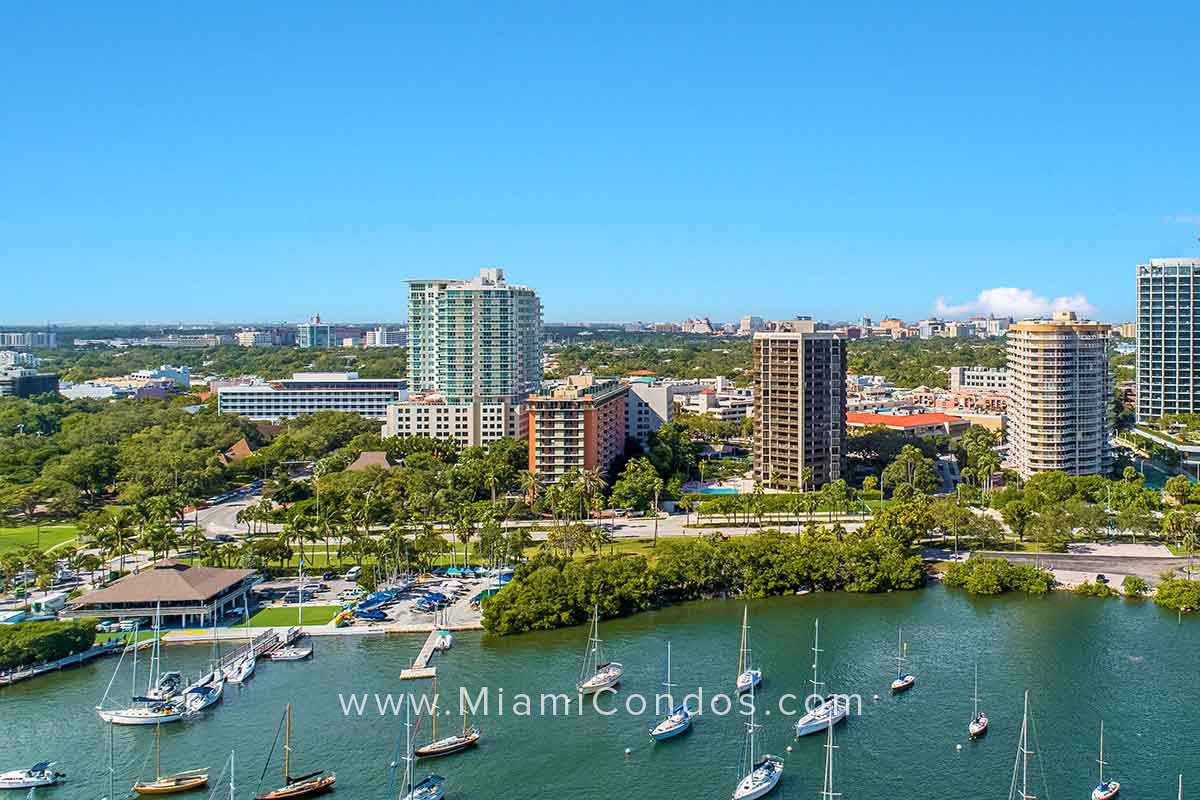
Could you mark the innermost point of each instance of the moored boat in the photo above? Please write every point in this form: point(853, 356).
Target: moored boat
point(291, 653)
point(447, 745)
point(679, 719)
point(310, 785)
point(40, 774)
point(979, 722)
point(904, 680)
point(240, 671)
point(1105, 789)
point(180, 782)
point(831, 709)
point(596, 674)
point(762, 773)
point(748, 678)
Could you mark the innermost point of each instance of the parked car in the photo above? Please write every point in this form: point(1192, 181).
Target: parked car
point(353, 573)
point(353, 593)
point(224, 538)
point(1102, 578)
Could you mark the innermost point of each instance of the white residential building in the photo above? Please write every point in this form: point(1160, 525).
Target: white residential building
point(255, 338)
point(386, 337)
point(989, 379)
point(1059, 396)
point(310, 392)
point(648, 407)
point(13, 358)
point(474, 356)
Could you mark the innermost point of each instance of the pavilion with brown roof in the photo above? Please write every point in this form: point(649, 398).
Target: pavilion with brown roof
point(368, 459)
point(196, 595)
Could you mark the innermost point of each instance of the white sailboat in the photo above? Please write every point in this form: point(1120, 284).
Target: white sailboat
point(159, 703)
point(240, 671)
point(904, 680)
point(831, 709)
point(596, 674)
point(748, 678)
point(1105, 790)
point(979, 722)
point(762, 773)
point(679, 720)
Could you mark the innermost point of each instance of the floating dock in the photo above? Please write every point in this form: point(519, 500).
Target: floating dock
point(420, 667)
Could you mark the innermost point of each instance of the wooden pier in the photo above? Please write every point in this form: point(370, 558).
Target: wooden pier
point(420, 667)
point(110, 647)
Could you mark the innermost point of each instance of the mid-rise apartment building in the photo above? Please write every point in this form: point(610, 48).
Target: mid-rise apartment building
point(385, 337)
point(1059, 396)
point(580, 424)
point(255, 338)
point(474, 355)
point(13, 358)
point(987, 379)
point(1168, 337)
point(648, 407)
point(25, 340)
point(799, 409)
point(310, 392)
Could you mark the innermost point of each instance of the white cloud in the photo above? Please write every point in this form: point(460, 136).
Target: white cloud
point(1008, 301)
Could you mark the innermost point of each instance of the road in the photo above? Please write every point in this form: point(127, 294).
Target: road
point(1148, 567)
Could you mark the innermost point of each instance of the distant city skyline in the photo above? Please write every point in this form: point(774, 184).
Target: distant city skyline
point(648, 162)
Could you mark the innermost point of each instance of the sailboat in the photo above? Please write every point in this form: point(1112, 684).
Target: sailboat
point(762, 773)
point(239, 671)
point(748, 678)
point(832, 709)
point(310, 785)
point(448, 744)
point(170, 784)
point(596, 674)
point(432, 787)
point(679, 720)
point(979, 721)
point(159, 703)
point(904, 680)
point(1105, 790)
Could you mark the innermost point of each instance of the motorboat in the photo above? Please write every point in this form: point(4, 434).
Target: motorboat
point(40, 774)
point(444, 641)
point(291, 653)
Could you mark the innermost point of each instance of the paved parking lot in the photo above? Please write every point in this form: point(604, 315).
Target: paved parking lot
point(403, 613)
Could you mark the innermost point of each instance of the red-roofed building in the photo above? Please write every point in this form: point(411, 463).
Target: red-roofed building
point(916, 426)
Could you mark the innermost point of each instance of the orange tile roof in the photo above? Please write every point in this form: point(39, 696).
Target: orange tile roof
point(901, 420)
point(642, 373)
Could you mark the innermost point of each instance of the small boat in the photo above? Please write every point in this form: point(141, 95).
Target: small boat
point(310, 785)
point(596, 674)
point(170, 784)
point(679, 720)
point(198, 698)
point(762, 772)
point(240, 671)
point(291, 653)
point(447, 745)
point(832, 709)
point(748, 678)
point(154, 714)
point(40, 774)
point(371, 616)
point(1105, 790)
point(444, 641)
point(904, 680)
point(979, 721)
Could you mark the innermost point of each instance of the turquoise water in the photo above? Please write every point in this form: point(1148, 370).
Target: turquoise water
point(1082, 659)
point(718, 491)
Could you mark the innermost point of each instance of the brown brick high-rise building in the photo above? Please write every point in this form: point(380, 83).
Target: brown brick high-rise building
point(799, 408)
point(579, 424)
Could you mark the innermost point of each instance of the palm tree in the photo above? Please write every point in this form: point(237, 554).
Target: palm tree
point(120, 530)
point(531, 484)
point(591, 484)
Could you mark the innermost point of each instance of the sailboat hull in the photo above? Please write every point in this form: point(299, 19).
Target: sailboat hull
point(172, 784)
point(830, 712)
point(750, 679)
point(761, 781)
point(1106, 791)
point(903, 683)
point(978, 727)
point(665, 731)
point(608, 677)
point(308, 788)
point(448, 746)
point(141, 716)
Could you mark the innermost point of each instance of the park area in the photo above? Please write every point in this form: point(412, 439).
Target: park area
point(13, 539)
point(283, 616)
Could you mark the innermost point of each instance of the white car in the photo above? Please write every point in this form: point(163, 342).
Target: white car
point(354, 593)
point(353, 573)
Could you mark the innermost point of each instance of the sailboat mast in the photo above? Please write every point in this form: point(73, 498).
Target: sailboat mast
point(743, 664)
point(133, 687)
point(827, 793)
point(1100, 760)
point(975, 697)
point(435, 705)
point(112, 776)
point(816, 656)
point(1025, 749)
point(287, 747)
point(158, 751)
point(232, 770)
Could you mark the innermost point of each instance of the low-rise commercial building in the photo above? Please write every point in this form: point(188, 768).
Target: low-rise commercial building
point(580, 424)
point(185, 595)
point(989, 379)
point(21, 382)
point(914, 426)
point(310, 392)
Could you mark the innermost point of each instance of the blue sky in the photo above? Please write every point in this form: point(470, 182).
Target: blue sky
point(167, 162)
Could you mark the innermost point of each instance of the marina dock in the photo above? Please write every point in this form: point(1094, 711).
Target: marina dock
point(111, 647)
point(420, 667)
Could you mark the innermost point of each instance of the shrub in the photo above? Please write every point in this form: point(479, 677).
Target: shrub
point(1179, 594)
point(1097, 589)
point(1133, 586)
point(996, 576)
point(29, 643)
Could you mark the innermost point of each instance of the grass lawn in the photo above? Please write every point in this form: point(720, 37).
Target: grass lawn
point(643, 547)
point(16, 538)
point(283, 617)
